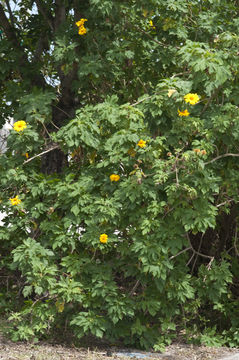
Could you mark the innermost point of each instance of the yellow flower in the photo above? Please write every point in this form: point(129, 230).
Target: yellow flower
point(103, 238)
point(19, 125)
point(191, 98)
point(141, 143)
point(151, 24)
point(114, 177)
point(82, 30)
point(15, 201)
point(81, 22)
point(203, 152)
point(197, 151)
point(183, 113)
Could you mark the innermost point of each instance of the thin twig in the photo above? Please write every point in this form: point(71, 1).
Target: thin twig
point(199, 248)
point(190, 259)
point(197, 252)
point(57, 107)
point(180, 252)
point(146, 98)
point(39, 299)
point(179, 74)
point(55, 125)
point(42, 153)
point(176, 172)
point(134, 288)
point(220, 157)
point(235, 245)
point(154, 40)
point(225, 202)
point(209, 265)
point(216, 149)
point(210, 99)
point(167, 212)
point(42, 123)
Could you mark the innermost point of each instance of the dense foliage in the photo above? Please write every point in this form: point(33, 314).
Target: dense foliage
point(120, 181)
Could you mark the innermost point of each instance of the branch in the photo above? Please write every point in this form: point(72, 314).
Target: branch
point(197, 252)
point(179, 74)
point(41, 46)
point(235, 241)
point(167, 212)
point(210, 100)
point(11, 36)
point(77, 13)
point(220, 157)
point(196, 257)
point(42, 153)
point(23, 62)
point(146, 98)
point(10, 12)
point(8, 29)
point(180, 252)
point(134, 288)
point(60, 14)
point(225, 202)
point(66, 91)
point(48, 18)
point(190, 259)
point(150, 37)
point(64, 112)
point(209, 265)
point(176, 170)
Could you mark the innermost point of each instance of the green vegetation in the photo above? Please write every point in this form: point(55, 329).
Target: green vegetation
point(120, 182)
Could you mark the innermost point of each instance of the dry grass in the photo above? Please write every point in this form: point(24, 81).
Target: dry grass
point(21, 351)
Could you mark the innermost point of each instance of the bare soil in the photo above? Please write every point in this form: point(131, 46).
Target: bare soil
point(176, 351)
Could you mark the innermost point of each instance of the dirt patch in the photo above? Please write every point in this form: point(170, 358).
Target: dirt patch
point(192, 352)
point(22, 351)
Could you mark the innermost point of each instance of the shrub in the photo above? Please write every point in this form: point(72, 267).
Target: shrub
point(120, 178)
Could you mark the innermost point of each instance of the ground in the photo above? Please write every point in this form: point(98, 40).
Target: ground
point(176, 351)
